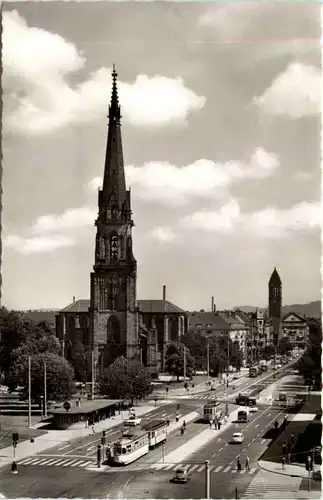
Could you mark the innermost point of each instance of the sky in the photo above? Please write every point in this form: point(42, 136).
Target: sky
point(220, 108)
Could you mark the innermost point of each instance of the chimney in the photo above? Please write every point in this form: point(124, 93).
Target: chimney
point(212, 304)
point(164, 293)
point(73, 299)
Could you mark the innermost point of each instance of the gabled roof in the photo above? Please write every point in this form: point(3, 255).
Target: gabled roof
point(79, 306)
point(204, 319)
point(291, 313)
point(157, 306)
point(233, 320)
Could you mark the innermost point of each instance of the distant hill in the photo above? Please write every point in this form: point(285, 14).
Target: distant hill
point(312, 309)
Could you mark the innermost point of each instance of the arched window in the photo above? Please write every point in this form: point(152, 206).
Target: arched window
point(113, 331)
point(114, 248)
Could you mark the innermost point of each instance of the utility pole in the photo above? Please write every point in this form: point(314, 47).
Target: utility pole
point(93, 373)
point(29, 391)
point(208, 359)
point(207, 479)
point(184, 364)
point(45, 390)
point(228, 365)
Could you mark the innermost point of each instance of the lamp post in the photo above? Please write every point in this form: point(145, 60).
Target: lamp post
point(45, 390)
point(208, 359)
point(29, 391)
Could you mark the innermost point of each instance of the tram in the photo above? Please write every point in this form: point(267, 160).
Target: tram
point(157, 432)
point(130, 447)
point(212, 411)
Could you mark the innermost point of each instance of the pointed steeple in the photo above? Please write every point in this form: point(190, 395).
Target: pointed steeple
point(114, 184)
point(275, 278)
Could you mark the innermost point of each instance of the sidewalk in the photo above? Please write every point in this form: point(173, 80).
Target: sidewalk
point(197, 442)
point(293, 470)
point(54, 438)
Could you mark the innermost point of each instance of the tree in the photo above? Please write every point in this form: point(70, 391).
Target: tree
point(59, 381)
point(236, 355)
point(125, 379)
point(310, 364)
point(269, 351)
point(196, 342)
point(174, 361)
point(79, 361)
point(284, 346)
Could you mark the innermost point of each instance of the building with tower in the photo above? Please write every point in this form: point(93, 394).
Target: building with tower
point(113, 323)
point(275, 305)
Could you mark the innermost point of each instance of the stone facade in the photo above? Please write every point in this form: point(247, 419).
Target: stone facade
point(296, 329)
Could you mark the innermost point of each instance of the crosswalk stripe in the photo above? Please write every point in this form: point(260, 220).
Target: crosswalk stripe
point(61, 463)
point(50, 462)
point(243, 471)
point(218, 468)
point(158, 466)
point(87, 463)
point(193, 467)
point(169, 466)
point(253, 470)
point(200, 468)
point(78, 462)
point(46, 461)
point(26, 461)
point(69, 463)
point(211, 467)
point(55, 461)
point(234, 471)
point(37, 461)
point(227, 468)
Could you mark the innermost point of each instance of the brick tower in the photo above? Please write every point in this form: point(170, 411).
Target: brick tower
point(275, 304)
point(113, 280)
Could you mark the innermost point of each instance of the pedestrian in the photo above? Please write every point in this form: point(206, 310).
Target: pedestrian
point(283, 462)
point(167, 422)
point(276, 425)
point(247, 463)
point(184, 425)
point(219, 424)
point(289, 458)
point(284, 449)
point(292, 440)
point(238, 463)
point(93, 428)
point(182, 430)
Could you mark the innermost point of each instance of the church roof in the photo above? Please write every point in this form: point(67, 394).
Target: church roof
point(275, 278)
point(145, 306)
point(79, 306)
point(157, 306)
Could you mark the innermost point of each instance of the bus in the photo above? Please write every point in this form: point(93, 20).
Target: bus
point(243, 416)
point(157, 432)
point(211, 411)
point(130, 447)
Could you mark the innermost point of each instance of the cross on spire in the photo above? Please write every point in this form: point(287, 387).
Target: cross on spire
point(114, 110)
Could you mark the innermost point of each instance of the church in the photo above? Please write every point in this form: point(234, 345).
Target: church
point(113, 322)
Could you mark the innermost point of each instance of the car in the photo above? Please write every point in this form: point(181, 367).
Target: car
point(181, 475)
point(253, 409)
point(317, 476)
point(235, 377)
point(237, 437)
point(133, 420)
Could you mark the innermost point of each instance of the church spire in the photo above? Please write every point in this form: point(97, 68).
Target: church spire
point(114, 183)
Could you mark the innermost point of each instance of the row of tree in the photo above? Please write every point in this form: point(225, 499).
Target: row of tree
point(309, 365)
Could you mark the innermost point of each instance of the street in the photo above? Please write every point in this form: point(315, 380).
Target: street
point(69, 470)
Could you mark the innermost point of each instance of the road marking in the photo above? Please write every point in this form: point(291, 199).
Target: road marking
point(87, 463)
point(158, 466)
point(227, 468)
point(169, 466)
point(218, 440)
point(263, 441)
point(91, 448)
point(63, 447)
point(214, 454)
point(226, 444)
point(50, 462)
point(253, 470)
point(256, 426)
point(193, 467)
point(269, 415)
point(242, 471)
point(55, 461)
point(46, 461)
point(218, 468)
point(254, 439)
point(200, 468)
point(25, 462)
point(243, 450)
point(234, 471)
point(61, 463)
point(220, 449)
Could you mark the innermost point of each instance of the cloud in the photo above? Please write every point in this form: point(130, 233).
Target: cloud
point(38, 99)
point(163, 234)
point(171, 184)
point(296, 92)
point(53, 231)
point(222, 221)
point(37, 244)
point(270, 222)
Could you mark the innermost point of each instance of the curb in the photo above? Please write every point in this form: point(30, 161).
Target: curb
point(278, 472)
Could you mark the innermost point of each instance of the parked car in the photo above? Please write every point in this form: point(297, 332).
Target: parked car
point(317, 476)
point(181, 475)
point(133, 420)
point(237, 437)
point(253, 409)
